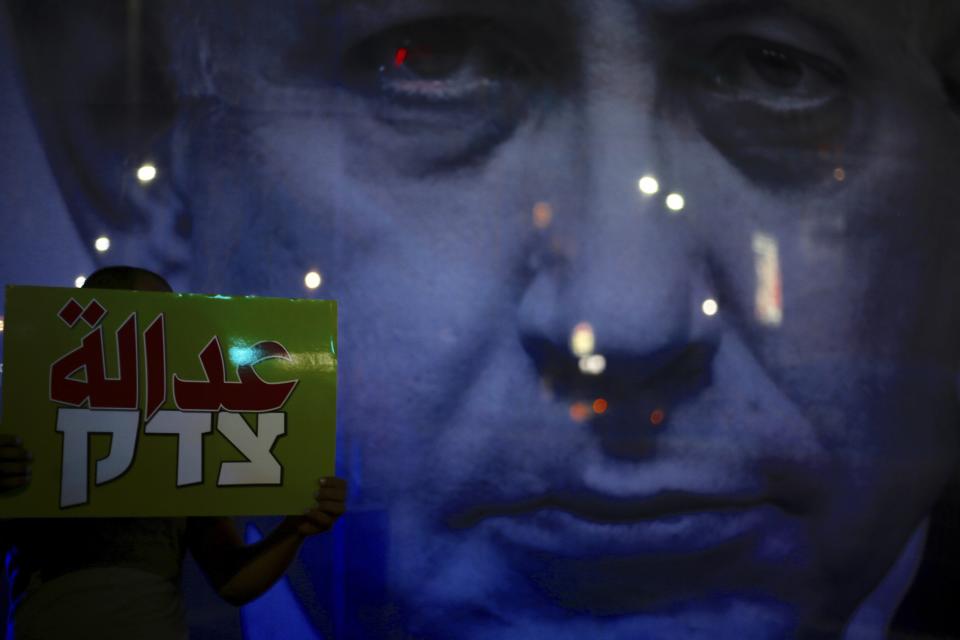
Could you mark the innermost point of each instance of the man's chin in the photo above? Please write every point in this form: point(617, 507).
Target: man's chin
point(734, 617)
point(471, 590)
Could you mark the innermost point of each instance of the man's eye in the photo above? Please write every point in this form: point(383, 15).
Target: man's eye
point(774, 75)
point(441, 61)
point(775, 67)
point(769, 108)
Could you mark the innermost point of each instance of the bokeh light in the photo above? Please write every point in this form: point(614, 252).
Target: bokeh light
point(600, 406)
point(657, 417)
point(676, 202)
point(79, 282)
point(582, 339)
point(102, 244)
point(710, 307)
point(1, 324)
point(313, 280)
point(593, 365)
point(579, 411)
point(839, 174)
point(542, 215)
point(648, 185)
point(768, 298)
point(146, 173)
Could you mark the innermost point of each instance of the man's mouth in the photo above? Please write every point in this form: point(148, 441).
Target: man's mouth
point(584, 524)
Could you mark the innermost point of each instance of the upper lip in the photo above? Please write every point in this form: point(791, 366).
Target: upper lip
point(606, 509)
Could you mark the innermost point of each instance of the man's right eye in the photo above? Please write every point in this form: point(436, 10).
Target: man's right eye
point(438, 62)
point(447, 91)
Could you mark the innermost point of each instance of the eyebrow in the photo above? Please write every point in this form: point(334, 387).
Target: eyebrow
point(693, 13)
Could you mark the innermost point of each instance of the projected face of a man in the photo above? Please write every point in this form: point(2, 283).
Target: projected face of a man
point(465, 176)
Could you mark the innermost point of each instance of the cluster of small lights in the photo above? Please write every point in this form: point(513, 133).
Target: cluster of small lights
point(650, 186)
point(710, 307)
point(583, 343)
point(581, 411)
point(146, 173)
point(79, 282)
point(102, 244)
point(313, 280)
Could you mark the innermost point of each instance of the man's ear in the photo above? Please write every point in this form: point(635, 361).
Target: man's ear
point(104, 104)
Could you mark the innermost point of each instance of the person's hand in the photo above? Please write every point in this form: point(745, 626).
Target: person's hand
point(331, 502)
point(15, 464)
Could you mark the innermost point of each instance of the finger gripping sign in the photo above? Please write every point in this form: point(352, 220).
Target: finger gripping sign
point(157, 404)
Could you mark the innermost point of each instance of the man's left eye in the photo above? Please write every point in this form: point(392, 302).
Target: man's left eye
point(774, 75)
point(770, 108)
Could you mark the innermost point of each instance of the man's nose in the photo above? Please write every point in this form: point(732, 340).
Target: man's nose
point(615, 304)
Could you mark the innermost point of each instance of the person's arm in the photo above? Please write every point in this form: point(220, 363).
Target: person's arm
point(241, 573)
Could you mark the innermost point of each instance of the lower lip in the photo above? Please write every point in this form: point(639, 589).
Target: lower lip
point(558, 532)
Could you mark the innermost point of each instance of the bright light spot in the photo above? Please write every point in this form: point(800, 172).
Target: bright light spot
point(579, 411)
point(710, 307)
point(1, 324)
point(146, 173)
point(768, 298)
point(313, 280)
point(600, 406)
point(242, 356)
point(401, 56)
point(656, 418)
point(102, 244)
point(542, 215)
point(79, 281)
point(839, 174)
point(649, 185)
point(582, 340)
point(675, 202)
point(593, 365)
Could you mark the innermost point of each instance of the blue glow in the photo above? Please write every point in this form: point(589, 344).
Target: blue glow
point(277, 613)
point(242, 355)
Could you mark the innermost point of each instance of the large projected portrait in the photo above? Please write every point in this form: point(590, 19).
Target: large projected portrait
point(649, 309)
